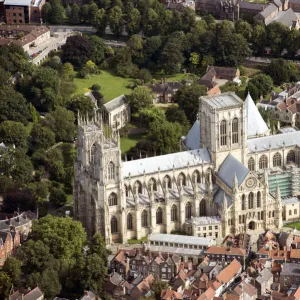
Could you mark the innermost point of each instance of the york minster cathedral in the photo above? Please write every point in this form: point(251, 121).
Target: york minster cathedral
point(231, 176)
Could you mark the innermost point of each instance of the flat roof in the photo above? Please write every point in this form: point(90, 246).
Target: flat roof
point(18, 2)
point(183, 239)
point(224, 100)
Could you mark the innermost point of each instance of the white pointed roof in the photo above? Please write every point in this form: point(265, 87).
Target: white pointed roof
point(255, 123)
point(192, 140)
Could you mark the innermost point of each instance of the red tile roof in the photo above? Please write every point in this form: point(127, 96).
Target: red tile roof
point(229, 272)
point(225, 250)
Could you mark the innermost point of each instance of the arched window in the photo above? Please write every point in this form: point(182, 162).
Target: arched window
point(167, 182)
point(139, 186)
point(277, 160)
point(258, 199)
point(273, 213)
point(126, 190)
point(144, 218)
point(174, 213)
point(188, 210)
point(159, 216)
point(290, 158)
point(243, 202)
point(114, 225)
point(223, 133)
point(270, 214)
point(196, 176)
point(202, 208)
point(262, 215)
point(250, 200)
point(93, 154)
point(112, 199)
point(153, 181)
point(263, 162)
point(235, 131)
point(129, 222)
point(251, 164)
point(111, 171)
point(182, 178)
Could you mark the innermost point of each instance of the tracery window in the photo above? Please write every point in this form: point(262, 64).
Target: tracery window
point(144, 218)
point(112, 199)
point(159, 216)
point(111, 171)
point(202, 208)
point(168, 182)
point(114, 225)
point(174, 213)
point(93, 154)
point(129, 222)
point(182, 178)
point(290, 158)
point(188, 210)
point(250, 200)
point(223, 133)
point(139, 186)
point(277, 160)
point(196, 175)
point(263, 162)
point(235, 131)
point(153, 181)
point(258, 199)
point(251, 164)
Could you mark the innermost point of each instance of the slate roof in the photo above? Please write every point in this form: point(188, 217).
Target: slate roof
point(17, 221)
point(166, 162)
point(220, 196)
point(290, 269)
point(289, 200)
point(268, 10)
point(264, 275)
point(231, 167)
point(17, 2)
point(115, 103)
point(192, 140)
point(255, 123)
point(251, 5)
point(223, 101)
point(276, 141)
point(286, 18)
point(223, 71)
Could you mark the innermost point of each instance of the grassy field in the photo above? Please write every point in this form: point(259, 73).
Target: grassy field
point(293, 225)
point(129, 142)
point(112, 86)
point(134, 241)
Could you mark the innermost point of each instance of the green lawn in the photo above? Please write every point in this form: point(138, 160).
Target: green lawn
point(293, 225)
point(129, 142)
point(112, 86)
point(135, 241)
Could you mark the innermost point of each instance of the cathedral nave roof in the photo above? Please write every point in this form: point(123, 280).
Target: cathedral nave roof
point(272, 142)
point(192, 140)
point(166, 162)
point(232, 167)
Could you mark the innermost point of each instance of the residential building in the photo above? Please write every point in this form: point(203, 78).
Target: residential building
point(226, 254)
point(290, 275)
point(263, 281)
point(23, 11)
point(164, 91)
point(116, 113)
point(142, 289)
point(26, 294)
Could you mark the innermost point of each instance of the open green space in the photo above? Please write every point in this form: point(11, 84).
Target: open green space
point(135, 241)
point(130, 141)
point(293, 225)
point(112, 85)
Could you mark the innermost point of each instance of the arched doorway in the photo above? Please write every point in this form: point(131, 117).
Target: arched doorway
point(251, 225)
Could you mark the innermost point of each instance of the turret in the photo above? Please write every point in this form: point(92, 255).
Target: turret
point(224, 203)
point(235, 183)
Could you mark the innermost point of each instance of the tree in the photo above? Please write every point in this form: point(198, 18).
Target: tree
point(93, 9)
point(67, 72)
point(99, 49)
point(100, 21)
point(133, 24)
point(5, 285)
point(57, 12)
point(259, 39)
point(41, 137)
point(22, 168)
point(157, 286)
point(77, 50)
point(98, 246)
point(81, 104)
point(34, 114)
point(263, 85)
point(174, 114)
point(282, 71)
point(46, 12)
point(244, 28)
point(61, 122)
point(276, 34)
point(48, 280)
point(58, 196)
point(64, 236)
point(115, 20)
point(165, 135)
point(293, 42)
point(141, 97)
point(12, 267)
point(16, 199)
point(13, 106)
point(14, 133)
point(188, 99)
point(74, 16)
point(5, 78)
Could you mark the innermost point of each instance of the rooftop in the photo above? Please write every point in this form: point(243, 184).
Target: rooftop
point(222, 101)
point(205, 220)
point(225, 250)
point(166, 162)
point(192, 140)
point(115, 103)
point(18, 2)
point(181, 239)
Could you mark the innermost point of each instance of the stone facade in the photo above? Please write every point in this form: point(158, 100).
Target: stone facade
point(231, 177)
